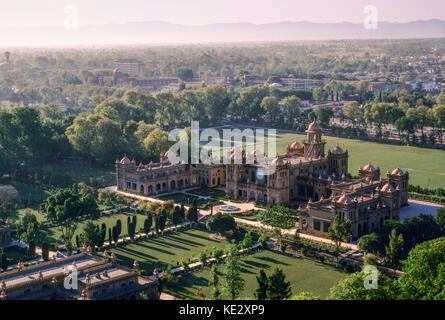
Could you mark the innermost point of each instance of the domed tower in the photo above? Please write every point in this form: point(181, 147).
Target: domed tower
point(389, 196)
point(338, 161)
point(369, 171)
point(399, 180)
point(314, 145)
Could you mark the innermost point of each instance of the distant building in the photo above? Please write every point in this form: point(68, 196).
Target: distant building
point(301, 84)
point(382, 86)
point(98, 279)
point(123, 80)
point(129, 66)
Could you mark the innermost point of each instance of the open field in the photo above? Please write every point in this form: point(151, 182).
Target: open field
point(167, 249)
point(426, 166)
point(303, 274)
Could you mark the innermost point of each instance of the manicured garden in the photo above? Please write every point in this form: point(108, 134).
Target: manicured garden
point(169, 249)
point(187, 200)
point(209, 192)
point(303, 274)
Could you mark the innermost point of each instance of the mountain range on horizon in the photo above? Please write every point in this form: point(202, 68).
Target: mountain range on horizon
point(159, 32)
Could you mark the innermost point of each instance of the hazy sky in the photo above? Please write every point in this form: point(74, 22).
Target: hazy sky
point(196, 12)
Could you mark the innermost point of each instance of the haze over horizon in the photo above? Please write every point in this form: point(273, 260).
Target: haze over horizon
point(44, 23)
point(44, 13)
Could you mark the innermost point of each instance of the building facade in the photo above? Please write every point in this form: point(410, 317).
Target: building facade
point(156, 178)
point(97, 279)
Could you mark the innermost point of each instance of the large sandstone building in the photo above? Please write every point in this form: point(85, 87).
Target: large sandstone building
point(305, 176)
point(97, 279)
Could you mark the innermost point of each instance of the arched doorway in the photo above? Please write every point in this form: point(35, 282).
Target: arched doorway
point(173, 185)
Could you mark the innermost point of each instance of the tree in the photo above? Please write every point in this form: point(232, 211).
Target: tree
point(176, 218)
point(279, 288)
point(271, 109)
point(291, 109)
point(263, 285)
point(45, 251)
point(192, 213)
point(305, 296)
point(424, 270)
point(353, 112)
point(131, 230)
point(324, 115)
point(247, 241)
point(115, 235)
point(3, 260)
point(64, 208)
point(147, 223)
point(352, 288)
point(220, 223)
point(234, 283)
point(90, 235)
point(394, 250)
point(214, 282)
point(369, 243)
point(339, 232)
point(439, 217)
point(162, 220)
point(118, 226)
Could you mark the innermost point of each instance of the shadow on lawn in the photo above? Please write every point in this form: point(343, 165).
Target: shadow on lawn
point(156, 249)
point(133, 253)
point(202, 237)
point(184, 241)
point(188, 285)
point(168, 245)
point(256, 264)
point(273, 261)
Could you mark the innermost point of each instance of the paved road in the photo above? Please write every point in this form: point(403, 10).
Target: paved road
point(417, 207)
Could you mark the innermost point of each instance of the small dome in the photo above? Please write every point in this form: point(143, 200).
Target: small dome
point(337, 150)
point(277, 161)
point(397, 172)
point(125, 160)
point(369, 167)
point(387, 188)
point(295, 145)
point(314, 127)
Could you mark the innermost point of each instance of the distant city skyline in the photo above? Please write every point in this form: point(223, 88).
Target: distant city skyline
point(25, 13)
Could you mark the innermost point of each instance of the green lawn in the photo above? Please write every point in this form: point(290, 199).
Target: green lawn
point(303, 274)
point(167, 249)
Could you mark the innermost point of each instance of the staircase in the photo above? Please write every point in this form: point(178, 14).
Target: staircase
point(309, 152)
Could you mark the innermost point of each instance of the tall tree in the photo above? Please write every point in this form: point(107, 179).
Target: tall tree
point(394, 250)
point(339, 232)
point(279, 288)
point(234, 283)
point(263, 284)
